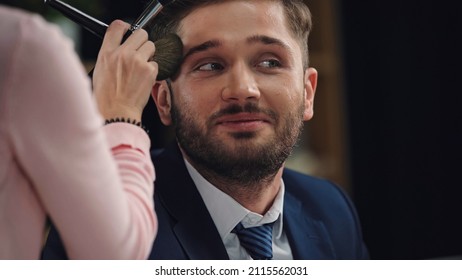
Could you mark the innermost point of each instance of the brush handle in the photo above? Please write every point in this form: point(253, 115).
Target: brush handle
point(91, 24)
point(148, 14)
point(99, 28)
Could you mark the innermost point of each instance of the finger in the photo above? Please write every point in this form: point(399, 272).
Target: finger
point(136, 39)
point(147, 50)
point(114, 34)
point(154, 70)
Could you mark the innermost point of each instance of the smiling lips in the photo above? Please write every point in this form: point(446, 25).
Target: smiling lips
point(243, 121)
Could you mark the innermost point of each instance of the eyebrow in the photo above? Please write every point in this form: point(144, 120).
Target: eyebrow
point(266, 40)
point(202, 47)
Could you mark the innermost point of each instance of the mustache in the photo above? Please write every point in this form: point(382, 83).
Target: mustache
point(249, 107)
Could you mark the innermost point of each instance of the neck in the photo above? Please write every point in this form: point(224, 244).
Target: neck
point(257, 197)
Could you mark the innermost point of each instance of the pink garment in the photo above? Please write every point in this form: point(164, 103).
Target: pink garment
point(55, 157)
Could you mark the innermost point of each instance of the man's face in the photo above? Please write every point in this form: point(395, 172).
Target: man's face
point(241, 95)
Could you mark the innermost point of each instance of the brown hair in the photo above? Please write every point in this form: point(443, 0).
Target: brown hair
point(297, 13)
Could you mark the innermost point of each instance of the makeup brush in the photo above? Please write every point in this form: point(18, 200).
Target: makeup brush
point(169, 50)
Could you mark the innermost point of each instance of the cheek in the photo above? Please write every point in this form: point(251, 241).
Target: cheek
point(198, 101)
point(285, 95)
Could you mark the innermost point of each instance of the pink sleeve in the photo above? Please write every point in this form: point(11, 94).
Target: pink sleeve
point(103, 208)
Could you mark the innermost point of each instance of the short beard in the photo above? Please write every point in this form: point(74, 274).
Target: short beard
point(247, 163)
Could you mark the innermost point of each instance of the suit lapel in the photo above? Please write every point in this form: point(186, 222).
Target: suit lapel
point(308, 237)
point(196, 231)
point(194, 228)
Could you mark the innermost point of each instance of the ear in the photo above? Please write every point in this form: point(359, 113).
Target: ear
point(311, 80)
point(161, 96)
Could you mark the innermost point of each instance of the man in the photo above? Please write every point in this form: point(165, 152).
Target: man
point(238, 103)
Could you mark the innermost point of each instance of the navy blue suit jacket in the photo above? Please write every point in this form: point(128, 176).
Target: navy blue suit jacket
point(319, 219)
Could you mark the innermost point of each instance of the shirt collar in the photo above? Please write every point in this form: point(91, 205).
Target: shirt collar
point(226, 212)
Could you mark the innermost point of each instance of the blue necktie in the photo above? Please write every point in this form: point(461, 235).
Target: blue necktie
point(256, 240)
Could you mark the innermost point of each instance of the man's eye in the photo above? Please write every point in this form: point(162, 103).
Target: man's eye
point(270, 63)
point(210, 67)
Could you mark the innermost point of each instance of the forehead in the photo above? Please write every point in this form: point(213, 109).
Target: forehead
point(234, 20)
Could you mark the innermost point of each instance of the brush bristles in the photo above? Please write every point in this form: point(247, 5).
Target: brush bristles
point(168, 55)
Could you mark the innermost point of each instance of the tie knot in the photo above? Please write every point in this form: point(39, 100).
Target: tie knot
point(257, 241)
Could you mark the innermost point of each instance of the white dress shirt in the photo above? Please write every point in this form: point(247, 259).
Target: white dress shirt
point(227, 213)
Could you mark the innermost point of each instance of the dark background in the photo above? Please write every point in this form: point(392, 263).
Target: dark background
point(402, 67)
point(403, 94)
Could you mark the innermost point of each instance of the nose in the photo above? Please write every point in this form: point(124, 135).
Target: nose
point(241, 85)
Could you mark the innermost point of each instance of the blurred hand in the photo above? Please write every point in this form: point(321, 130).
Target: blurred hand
point(123, 77)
